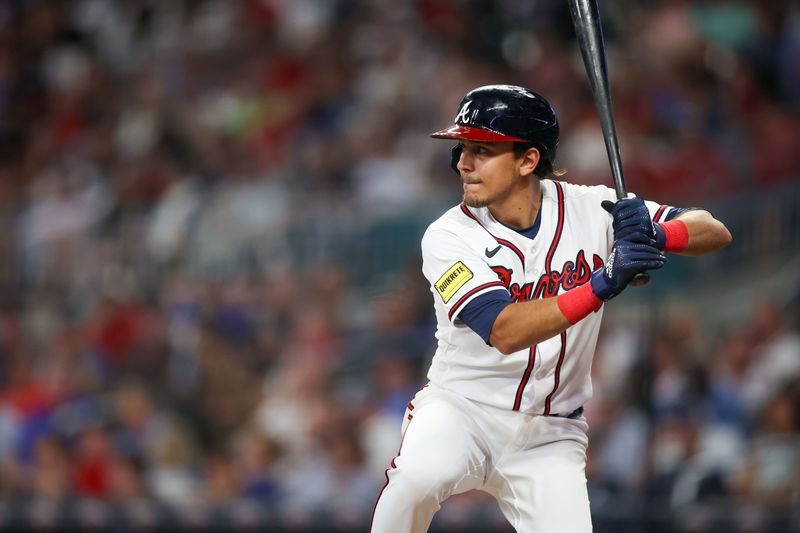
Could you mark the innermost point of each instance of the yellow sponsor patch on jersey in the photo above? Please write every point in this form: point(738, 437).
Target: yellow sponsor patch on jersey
point(452, 280)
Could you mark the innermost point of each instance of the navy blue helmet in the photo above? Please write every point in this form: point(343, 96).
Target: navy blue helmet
point(496, 113)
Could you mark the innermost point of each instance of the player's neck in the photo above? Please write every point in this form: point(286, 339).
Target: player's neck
point(519, 210)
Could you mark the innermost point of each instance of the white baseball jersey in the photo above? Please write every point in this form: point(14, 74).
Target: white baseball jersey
point(466, 253)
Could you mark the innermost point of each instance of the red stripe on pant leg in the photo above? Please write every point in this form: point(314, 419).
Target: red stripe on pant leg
point(374, 507)
point(392, 466)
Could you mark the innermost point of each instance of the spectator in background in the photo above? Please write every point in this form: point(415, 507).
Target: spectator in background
point(775, 355)
point(255, 457)
point(768, 483)
point(728, 368)
point(91, 476)
point(50, 478)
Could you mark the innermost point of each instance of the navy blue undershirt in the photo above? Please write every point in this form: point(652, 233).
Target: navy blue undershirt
point(481, 312)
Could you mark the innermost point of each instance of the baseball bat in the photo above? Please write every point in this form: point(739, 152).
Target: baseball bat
point(586, 19)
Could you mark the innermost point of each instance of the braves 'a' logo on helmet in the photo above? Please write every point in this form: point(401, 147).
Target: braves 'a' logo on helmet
point(463, 116)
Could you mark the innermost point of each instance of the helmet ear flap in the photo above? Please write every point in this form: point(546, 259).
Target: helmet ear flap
point(455, 156)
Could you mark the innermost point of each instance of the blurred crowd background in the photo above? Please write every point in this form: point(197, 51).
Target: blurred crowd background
point(211, 308)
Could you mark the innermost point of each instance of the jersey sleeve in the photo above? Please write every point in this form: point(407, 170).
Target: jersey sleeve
point(456, 273)
point(662, 212)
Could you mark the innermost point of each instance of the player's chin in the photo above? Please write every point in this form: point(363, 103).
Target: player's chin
point(473, 200)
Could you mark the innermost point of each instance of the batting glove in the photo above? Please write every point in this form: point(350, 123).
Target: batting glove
point(627, 259)
point(660, 238)
point(631, 220)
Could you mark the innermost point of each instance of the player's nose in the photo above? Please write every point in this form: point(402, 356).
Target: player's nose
point(465, 162)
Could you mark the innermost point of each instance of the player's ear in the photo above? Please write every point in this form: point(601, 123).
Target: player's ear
point(529, 160)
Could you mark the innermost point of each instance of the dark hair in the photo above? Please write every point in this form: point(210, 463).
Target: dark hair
point(545, 166)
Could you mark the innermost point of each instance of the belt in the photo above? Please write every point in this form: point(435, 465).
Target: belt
point(574, 414)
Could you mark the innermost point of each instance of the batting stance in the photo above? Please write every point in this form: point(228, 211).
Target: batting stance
point(519, 272)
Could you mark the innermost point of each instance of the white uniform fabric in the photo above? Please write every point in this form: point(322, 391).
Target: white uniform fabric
point(481, 425)
point(533, 465)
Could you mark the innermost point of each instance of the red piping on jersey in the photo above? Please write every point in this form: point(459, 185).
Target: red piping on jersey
point(525, 377)
point(547, 265)
point(504, 242)
point(550, 253)
point(660, 212)
point(470, 293)
point(559, 228)
point(558, 373)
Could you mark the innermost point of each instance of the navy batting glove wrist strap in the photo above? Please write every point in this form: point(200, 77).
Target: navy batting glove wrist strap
point(661, 237)
point(601, 286)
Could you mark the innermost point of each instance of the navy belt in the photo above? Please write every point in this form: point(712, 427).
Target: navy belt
point(574, 414)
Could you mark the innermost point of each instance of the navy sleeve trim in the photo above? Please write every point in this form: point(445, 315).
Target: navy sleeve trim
point(680, 210)
point(481, 313)
point(456, 309)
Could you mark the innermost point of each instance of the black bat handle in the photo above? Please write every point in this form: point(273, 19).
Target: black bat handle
point(586, 19)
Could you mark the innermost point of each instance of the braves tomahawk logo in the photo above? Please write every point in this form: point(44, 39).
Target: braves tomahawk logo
point(463, 116)
point(571, 275)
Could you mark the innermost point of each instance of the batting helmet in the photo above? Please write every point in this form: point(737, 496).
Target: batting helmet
point(496, 113)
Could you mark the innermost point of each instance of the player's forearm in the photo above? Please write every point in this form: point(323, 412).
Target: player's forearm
point(524, 324)
point(706, 234)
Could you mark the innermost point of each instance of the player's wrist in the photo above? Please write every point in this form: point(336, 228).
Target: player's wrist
point(578, 303)
point(672, 236)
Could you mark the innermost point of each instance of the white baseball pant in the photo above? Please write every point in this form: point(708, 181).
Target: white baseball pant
point(534, 466)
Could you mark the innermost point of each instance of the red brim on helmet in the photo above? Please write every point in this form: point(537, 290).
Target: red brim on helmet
point(467, 133)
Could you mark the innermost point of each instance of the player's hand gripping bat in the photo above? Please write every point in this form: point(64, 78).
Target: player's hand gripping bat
point(586, 19)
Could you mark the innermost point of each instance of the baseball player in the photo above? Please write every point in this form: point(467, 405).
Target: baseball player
point(519, 273)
